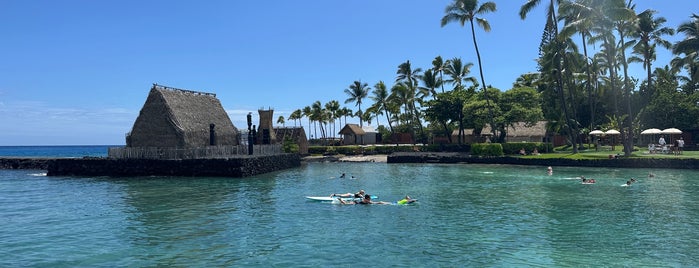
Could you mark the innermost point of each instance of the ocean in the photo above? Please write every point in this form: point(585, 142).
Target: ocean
point(466, 216)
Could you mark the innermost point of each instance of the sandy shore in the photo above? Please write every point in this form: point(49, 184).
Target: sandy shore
point(379, 158)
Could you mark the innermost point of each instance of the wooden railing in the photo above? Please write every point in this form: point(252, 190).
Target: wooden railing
point(191, 153)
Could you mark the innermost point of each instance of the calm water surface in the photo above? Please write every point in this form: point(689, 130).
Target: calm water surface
point(467, 216)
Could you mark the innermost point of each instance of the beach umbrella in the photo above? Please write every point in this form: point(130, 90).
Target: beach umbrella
point(651, 131)
point(612, 132)
point(596, 132)
point(671, 131)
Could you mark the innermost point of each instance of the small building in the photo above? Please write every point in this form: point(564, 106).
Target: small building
point(178, 118)
point(296, 134)
point(520, 132)
point(354, 134)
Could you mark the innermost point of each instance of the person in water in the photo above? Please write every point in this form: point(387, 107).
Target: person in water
point(342, 176)
point(360, 194)
point(549, 170)
point(364, 201)
point(588, 181)
point(406, 200)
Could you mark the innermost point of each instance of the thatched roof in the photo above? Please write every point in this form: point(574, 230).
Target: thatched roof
point(296, 134)
point(521, 130)
point(351, 129)
point(181, 118)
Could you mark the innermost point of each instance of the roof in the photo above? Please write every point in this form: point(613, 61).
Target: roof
point(520, 129)
point(174, 114)
point(352, 129)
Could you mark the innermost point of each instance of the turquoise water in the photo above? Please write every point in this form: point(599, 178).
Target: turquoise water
point(467, 216)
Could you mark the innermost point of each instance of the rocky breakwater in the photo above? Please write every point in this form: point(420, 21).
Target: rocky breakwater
point(25, 163)
point(216, 167)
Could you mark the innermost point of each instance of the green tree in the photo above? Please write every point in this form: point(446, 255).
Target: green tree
point(357, 91)
point(381, 99)
point(467, 10)
point(688, 52)
point(650, 33)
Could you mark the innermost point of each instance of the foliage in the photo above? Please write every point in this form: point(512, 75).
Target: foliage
point(289, 146)
point(514, 147)
point(486, 149)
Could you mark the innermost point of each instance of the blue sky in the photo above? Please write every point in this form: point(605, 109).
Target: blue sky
point(77, 72)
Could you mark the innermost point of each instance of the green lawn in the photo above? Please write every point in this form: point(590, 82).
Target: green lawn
point(605, 151)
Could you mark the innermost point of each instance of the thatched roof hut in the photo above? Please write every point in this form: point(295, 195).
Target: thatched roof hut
point(182, 119)
point(296, 134)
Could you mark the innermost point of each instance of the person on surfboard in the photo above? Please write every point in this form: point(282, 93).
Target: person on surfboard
point(359, 194)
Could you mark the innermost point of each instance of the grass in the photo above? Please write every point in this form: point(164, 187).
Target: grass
point(642, 153)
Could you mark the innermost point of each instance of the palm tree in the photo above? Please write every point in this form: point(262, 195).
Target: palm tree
point(689, 46)
point(650, 33)
point(466, 10)
point(307, 113)
point(381, 99)
point(407, 74)
point(577, 19)
point(357, 91)
point(458, 73)
point(333, 108)
point(280, 120)
point(560, 61)
point(295, 115)
point(438, 66)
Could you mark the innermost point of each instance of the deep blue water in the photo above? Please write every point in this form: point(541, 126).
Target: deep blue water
point(55, 151)
point(467, 216)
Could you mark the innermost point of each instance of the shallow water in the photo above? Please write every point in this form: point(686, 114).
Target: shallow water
point(467, 215)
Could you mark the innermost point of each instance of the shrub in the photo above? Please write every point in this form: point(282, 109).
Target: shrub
point(486, 149)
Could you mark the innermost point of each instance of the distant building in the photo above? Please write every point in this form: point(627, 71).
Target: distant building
point(296, 134)
point(353, 134)
point(178, 118)
point(520, 132)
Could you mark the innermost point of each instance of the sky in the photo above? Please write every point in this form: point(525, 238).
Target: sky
point(78, 72)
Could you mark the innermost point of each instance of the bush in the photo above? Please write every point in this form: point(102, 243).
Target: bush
point(486, 149)
point(514, 147)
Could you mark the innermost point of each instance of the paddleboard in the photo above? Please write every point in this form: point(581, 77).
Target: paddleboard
point(328, 198)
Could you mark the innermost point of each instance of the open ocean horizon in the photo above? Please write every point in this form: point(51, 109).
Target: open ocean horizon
point(41, 151)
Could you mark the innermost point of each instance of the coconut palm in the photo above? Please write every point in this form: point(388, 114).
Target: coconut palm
point(333, 108)
point(556, 48)
point(407, 74)
point(381, 98)
point(650, 33)
point(458, 73)
point(438, 66)
point(357, 91)
point(295, 115)
point(688, 47)
point(466, 10)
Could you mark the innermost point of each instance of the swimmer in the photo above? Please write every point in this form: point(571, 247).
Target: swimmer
point(549, 170)
point(406, 200)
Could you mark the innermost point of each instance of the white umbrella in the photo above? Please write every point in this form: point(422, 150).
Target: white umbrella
point(671, 131)
point(612, 132)
point(596, 132)
point(651, 131)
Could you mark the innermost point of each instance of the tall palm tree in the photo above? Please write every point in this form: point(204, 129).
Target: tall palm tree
point(381, 98)
point(295, 115)
point(560, 62)
point(689, 47)
point(357, 91)
point(650, 33)
point(406, 73)
point(438, 66)
point(333, 108)
point(307, 113)
point(578, 19)
point(466, 10)
point(458, 73)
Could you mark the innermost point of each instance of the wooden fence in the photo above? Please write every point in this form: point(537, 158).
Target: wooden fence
point(191, 153)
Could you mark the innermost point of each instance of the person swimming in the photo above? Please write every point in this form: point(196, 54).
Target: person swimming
point(406, 200)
